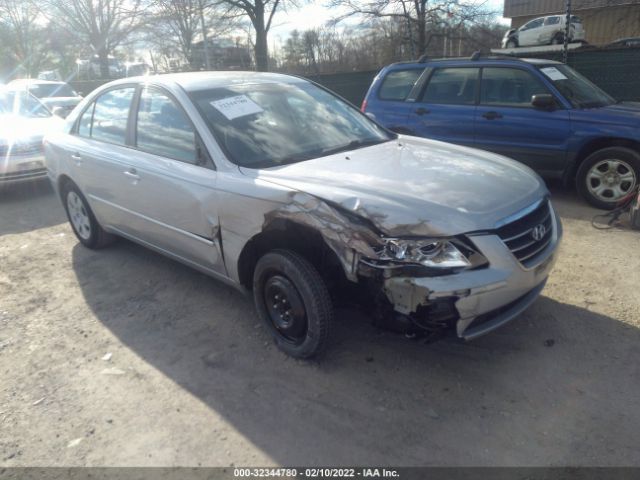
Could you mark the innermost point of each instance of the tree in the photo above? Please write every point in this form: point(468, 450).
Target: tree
point(23, 34)
point(103, 25)
point(261, 13)
point(181, 22)
point(418, 14)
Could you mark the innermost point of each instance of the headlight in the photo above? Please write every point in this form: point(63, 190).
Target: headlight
point(430, 253)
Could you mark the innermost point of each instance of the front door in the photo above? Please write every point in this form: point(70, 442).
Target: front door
point(172, 190)
point(508, 124)
point(529, 34)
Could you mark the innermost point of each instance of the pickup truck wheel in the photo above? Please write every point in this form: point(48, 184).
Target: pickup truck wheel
point(608, 175)
point(82, 220)
point(511, 44)
point(292, 299)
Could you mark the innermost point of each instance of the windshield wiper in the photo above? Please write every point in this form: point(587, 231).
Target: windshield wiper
point(354, 144)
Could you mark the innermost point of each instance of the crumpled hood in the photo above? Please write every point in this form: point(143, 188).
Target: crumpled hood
point(15, 128)
point(415, 186)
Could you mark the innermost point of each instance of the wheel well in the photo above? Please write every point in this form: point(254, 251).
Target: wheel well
point(595, 145)
point(63, 180)
point(284, 234)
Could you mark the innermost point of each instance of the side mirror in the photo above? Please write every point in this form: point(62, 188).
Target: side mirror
point(58, 111)
point(544, 101)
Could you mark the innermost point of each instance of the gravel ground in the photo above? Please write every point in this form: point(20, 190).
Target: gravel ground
point(123, 357)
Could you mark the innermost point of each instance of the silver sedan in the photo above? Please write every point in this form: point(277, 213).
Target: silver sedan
point(276, 186)
point(23, 123)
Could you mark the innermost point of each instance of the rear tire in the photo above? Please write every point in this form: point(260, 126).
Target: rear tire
point(82, 220)
point(558, 39)
point(292, 299)
point(606, 176)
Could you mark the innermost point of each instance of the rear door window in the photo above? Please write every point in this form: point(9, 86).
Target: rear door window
point(111, 114)
point(452, 86)
point(398, 84)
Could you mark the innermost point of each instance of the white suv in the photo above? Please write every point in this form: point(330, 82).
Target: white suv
point(544, 31)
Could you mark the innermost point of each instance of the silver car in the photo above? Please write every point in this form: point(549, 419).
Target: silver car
point(23, 123)
point(58, 97)
point(274, 185)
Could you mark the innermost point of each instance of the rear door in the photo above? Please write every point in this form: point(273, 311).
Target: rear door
point(97, 151)
point(445, 109)
point(171, 183)
point(507, 123)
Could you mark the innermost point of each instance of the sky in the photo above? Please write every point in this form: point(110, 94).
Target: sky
point(316, 14)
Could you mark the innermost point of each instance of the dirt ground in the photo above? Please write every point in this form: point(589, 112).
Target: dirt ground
point(123, 357)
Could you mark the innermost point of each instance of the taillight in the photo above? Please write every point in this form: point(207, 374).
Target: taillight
point(363, 108)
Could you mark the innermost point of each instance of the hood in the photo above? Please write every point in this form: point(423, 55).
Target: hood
point(415, 186)
point(51, 102)
point(17, 128)
point(624, 113)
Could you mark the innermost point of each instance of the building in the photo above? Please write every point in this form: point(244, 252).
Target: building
point(604, 20)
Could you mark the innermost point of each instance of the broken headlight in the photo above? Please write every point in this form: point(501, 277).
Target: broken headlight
point(429, 253)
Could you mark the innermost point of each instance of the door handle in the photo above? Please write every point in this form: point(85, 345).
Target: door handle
point(132, 173)
point(77, 158)
point(492, 115)
point(422, 111)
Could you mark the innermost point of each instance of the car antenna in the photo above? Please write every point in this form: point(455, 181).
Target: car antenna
point(423, 58)
point(475, 55)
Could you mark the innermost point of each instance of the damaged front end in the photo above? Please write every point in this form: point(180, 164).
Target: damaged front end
point(417, 280)
point(384, 268)
point(401, 304)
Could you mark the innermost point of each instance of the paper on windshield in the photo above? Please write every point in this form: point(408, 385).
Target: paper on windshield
point(553, 73)
point(238, 106)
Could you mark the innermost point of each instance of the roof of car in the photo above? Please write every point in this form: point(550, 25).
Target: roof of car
point(479, 59)
point(192, 81)
point(33, 81)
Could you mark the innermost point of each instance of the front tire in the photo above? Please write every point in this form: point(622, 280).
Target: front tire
point(608, 175)
point(511, 44)
point(292, 299)
point(82, 220)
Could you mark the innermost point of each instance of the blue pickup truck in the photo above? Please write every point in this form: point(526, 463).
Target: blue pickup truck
point(539, 112)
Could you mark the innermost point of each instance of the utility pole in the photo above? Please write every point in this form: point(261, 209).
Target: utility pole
point(204, 37)
point(565, 52)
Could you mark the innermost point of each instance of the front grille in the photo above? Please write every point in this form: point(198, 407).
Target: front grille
point(7, 177)
point(525, 236)
point(21, 149)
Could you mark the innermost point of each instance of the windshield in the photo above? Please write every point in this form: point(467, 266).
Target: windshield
point(44, 90)
point(23, 104)
point(575, 88)
point(266, 125)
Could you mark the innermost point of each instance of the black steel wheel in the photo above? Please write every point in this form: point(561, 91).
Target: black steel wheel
point(292, 299)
